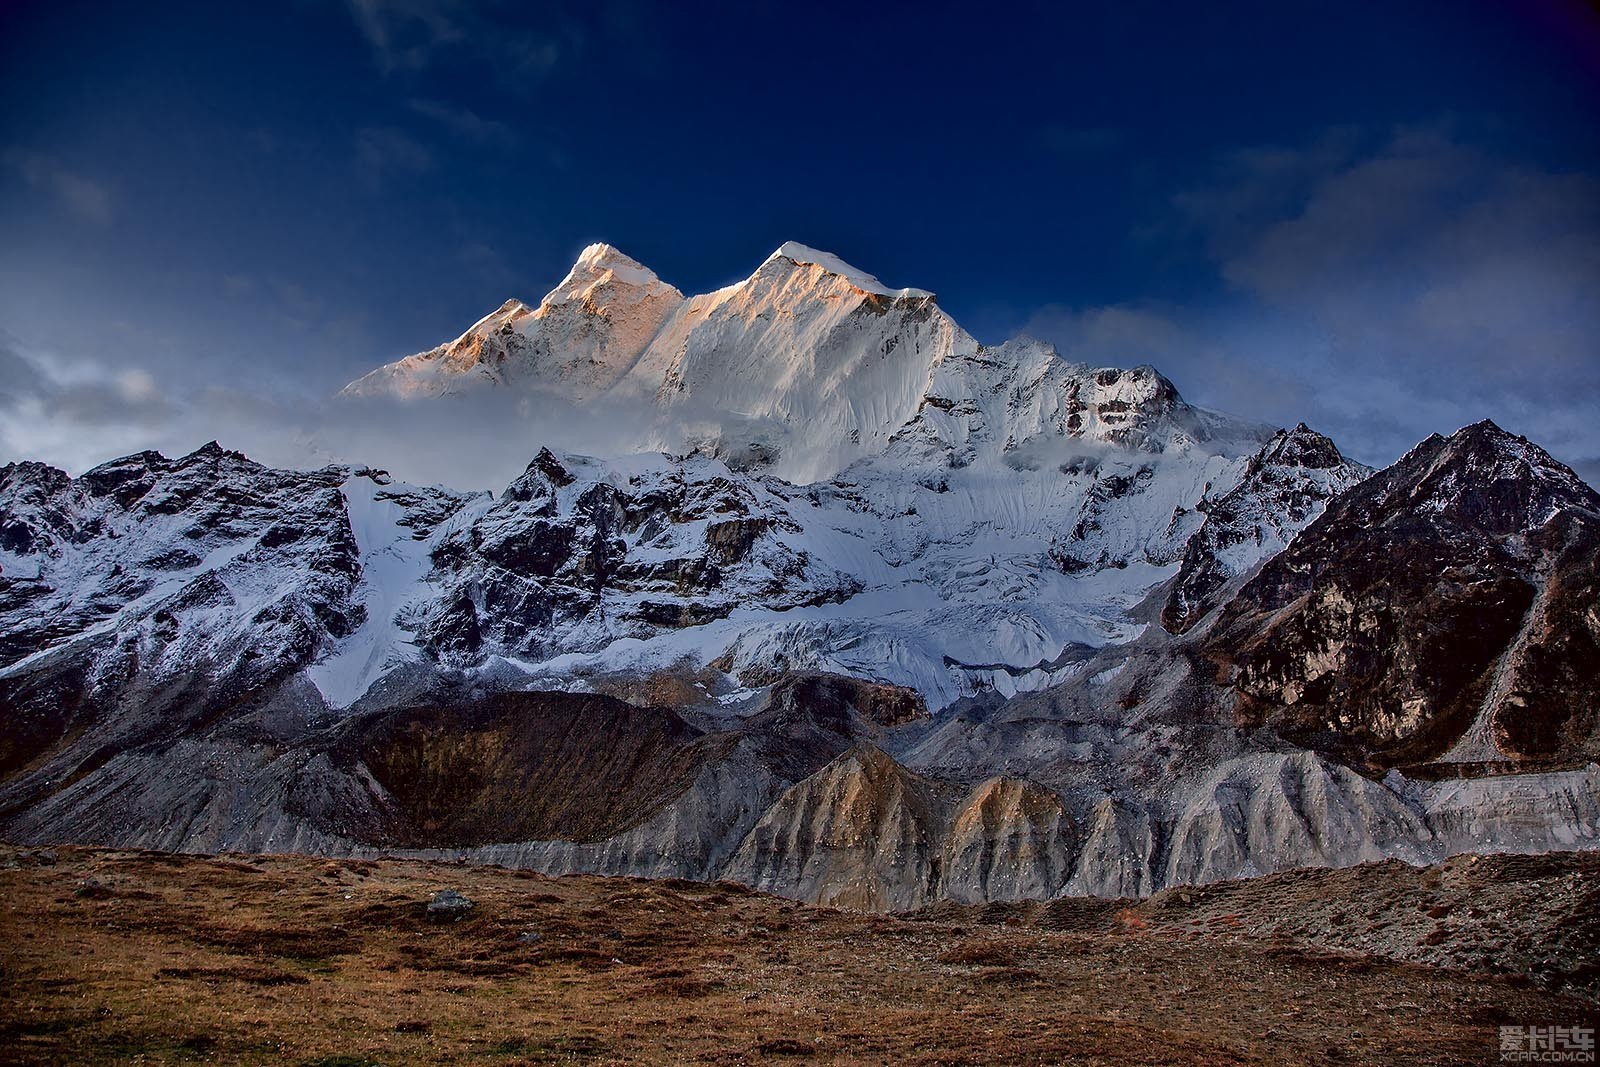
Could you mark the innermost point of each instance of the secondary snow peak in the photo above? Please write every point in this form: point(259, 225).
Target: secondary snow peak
point(585, 334)
point(805, 255)
point(598, 260)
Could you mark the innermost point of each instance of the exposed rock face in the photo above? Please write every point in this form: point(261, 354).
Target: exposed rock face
point(1009, 840)
point(1285, 486)
point(859, 834)
point(1448, 605)
point(865, 832)
point(799, 798)
point(1119, 853)
point(39, 511)
point(849, 706)
point(152, 593)
point(574, 556)
point(1286, 811)
point(999, 399)
point(522, 766)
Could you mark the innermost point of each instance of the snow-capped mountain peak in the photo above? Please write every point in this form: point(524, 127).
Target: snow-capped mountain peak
point(827, 263)
point(582, 338)
point(808, 362)
point(793, 338)
point(604, 265)
point(507, 314)
point(805, 367)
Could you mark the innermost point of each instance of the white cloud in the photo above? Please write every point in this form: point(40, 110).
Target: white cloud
point(76, 414)
point(466, 123)
point(1382, 293)
point(87, 199)
point(407, 36)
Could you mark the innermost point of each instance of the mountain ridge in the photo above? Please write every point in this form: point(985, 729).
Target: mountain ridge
point(802, 368)
point(898, 618)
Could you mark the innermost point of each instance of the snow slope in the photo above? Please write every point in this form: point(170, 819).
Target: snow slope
point(395, 563)
point(584, 335)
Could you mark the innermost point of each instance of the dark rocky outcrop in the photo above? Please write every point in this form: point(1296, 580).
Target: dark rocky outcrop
point(448, 906)
point(1284, 487)
point(523, 766)
point(152, 596)
point(1447, 603)
point(566, 559)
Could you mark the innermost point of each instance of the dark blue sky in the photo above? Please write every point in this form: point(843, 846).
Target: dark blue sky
point(1381, 218)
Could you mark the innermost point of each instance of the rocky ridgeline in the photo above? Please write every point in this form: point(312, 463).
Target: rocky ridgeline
point(1445, 609)
point(933, 674)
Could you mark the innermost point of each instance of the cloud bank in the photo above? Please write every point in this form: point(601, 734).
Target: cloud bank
point(1380, 294)
point(78, 414)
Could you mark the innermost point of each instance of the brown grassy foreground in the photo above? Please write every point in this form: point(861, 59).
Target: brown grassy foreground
point(117, 956)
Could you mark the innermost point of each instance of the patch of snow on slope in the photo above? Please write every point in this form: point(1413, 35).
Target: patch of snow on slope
point(394, 570)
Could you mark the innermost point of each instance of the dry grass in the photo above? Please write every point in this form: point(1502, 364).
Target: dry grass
point(981, 953)
point(291, 960)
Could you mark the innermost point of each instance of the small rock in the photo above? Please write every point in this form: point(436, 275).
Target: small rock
point(93, 889)
point(528, 937)
point(447, 906)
